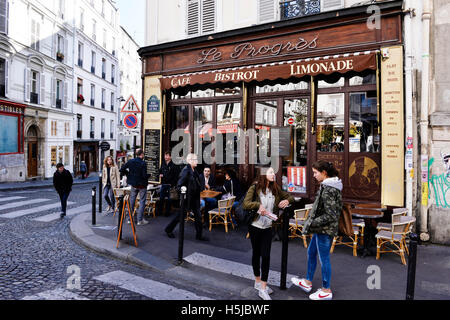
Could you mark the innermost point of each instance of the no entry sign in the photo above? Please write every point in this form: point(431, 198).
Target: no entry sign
point(130, 121)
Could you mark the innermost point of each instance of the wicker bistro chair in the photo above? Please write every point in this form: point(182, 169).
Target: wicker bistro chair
point(396, 216)
point(222, 214)
point(296, 224)
point(360, 224)
point(353, 243)
point(396, 237)
point(150, 204)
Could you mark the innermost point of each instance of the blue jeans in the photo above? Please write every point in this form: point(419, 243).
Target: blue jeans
point(109, 196)
point(321, 245)
point(211, 203)
point(142, 197)
point(63, 197)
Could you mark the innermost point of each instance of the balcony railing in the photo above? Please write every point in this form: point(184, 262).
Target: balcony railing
point(34, 97)
point(298, 8)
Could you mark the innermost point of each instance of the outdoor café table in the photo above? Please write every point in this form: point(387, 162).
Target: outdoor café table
point(369, 233)
point(209, 194)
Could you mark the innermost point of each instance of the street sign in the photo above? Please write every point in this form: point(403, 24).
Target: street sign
point(131, 106)
point(291, 121)
point(130, 121)
point(105, 146)
point(131, 132)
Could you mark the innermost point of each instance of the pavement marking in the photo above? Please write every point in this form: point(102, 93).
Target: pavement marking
point(233, 268)
point(25, 212)
point(57, 294)
point(146, 287)
point(55, 216)
point(10, 198)
point(22, 203)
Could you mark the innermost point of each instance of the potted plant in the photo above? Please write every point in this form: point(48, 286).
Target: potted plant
point(128, 146)
point(60, 56)
point(80, 98)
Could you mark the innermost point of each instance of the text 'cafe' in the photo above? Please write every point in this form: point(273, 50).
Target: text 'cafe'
point(321, 80)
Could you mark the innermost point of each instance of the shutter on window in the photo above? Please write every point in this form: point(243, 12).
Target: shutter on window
point(328, 5)
point(66, 50)
point(3, 16)
point(66, 92)
point(266, 11)
point(193, 17)
point(42, 99)
point(208, 16)
point(53, 104)
point(27, 76)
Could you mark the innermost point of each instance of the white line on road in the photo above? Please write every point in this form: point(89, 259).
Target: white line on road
point(55, 216)
point(233, 268)
point(21, 213)
point(10, 198)
point(57, 294)
point(21, 203)
point(146, 287)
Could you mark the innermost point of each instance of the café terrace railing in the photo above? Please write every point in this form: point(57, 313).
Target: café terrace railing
point(298, 8)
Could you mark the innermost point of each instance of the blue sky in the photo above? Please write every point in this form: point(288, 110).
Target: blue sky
point(132, 18)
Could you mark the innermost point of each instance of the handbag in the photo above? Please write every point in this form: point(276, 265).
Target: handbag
point(245, 216)
point(174, 193)
point(228, 194)
point(345, 221)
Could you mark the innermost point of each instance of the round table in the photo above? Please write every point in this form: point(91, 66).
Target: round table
point(209, 194)
point(369, 234)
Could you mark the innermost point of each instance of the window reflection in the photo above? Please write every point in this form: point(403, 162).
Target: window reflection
point(179, 119)
point(331, 82)
point(228, 120)
point(363, 80)
point(302, 85)
point(330, 122)
point(363, 129)
point(202, 130)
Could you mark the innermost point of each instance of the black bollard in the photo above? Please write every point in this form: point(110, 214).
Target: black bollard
point(182, 216)
point(93, 206)
point(411, 278)
point(119, 216)
point(100, 188)
point(284, 250)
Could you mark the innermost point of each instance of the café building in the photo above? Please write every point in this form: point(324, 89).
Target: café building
point(330, 83)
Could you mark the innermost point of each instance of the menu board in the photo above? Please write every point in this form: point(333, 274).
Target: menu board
point(283, 143)
point(152, 153)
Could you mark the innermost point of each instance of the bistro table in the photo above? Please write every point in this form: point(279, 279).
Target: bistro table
point(209, 194)
point(369, 234)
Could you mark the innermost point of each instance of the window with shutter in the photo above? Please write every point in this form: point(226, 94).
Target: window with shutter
point(266, 10)
point(328, 5)
point(4, 16)
point(208, 16)
point(193, 17)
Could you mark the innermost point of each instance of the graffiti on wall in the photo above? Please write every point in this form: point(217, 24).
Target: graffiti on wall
point(440, 184)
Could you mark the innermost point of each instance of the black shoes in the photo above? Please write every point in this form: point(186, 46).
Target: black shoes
point(202, 238)
point(62, 215)
point(170, 234)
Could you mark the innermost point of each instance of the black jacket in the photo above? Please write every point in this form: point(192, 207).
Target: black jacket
point(136, 172)
point(62, 181)
point(211, 182)
point(236, 190)
point(190, 179)
point(170, 173)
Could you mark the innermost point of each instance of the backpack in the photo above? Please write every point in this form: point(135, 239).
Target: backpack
point(345, 221)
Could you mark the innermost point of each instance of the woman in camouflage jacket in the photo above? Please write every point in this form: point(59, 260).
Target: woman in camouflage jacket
point(322, 223)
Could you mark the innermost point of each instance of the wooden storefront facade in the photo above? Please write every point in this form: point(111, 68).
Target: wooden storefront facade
point(317, 77)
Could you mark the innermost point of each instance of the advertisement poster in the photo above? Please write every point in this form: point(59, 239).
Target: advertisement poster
point(296, 179)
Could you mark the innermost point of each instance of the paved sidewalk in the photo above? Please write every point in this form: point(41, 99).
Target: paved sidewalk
point(350, 275)
point(12, 186)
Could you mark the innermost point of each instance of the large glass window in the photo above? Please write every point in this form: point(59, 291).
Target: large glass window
point(8, 134)
point(228, 121)
point(265, 118)
point(179, 119)
point(330, 122)
point(363, 129)
point(203, 131)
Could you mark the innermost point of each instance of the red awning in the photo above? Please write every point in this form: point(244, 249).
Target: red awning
point(344, 63)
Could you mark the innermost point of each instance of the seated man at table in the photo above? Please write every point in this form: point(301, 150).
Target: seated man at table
point(207, 182)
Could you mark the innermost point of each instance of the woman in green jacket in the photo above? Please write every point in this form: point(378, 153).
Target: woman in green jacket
point(267, 198)
point(322, 223)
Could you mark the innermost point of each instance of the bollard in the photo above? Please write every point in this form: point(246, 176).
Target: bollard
point(284, 250)
point(100, 188)
point(93, 206)
point(119, 216)
point(411, 278)
point(182, 216)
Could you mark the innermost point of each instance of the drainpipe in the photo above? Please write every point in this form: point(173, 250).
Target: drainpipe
point(425, 104)
point(410, 12)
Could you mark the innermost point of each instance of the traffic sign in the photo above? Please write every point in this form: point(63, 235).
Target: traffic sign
point(131, 106)
point(130, 121)
point(291, 121)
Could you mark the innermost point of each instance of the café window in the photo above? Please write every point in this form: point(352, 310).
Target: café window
point(294, 174)
point(363, 128)
point(291, 86)
point(265, 118)
point(203, 131)
point(330, 122)
point(179, 119)
point(9, 141)
point(228, 124)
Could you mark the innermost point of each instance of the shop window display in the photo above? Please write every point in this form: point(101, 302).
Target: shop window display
point(330, 122)
point(363, 126)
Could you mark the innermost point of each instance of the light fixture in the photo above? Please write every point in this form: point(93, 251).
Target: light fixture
point(121, 99)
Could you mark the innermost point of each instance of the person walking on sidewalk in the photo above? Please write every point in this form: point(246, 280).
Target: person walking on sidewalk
point(136, 172)
point(169, 176)
point(83, 169)
point(110, 180)
point(62, 181)
point(190, 179)
point(322, 223)
point(267, 198)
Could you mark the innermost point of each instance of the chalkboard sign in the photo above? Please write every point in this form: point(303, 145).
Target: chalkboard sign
point(283, 145)
point(152, 152)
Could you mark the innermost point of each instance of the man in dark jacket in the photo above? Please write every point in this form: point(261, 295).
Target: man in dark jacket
point(189, 178)
point(62, 181)
point(169, 176)
point(207, 182)
point(137, 178)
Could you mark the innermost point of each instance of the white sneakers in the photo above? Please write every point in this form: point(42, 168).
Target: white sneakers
point(318, 295)
point(264, 294)
point(142, 222)
point(258, 287)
